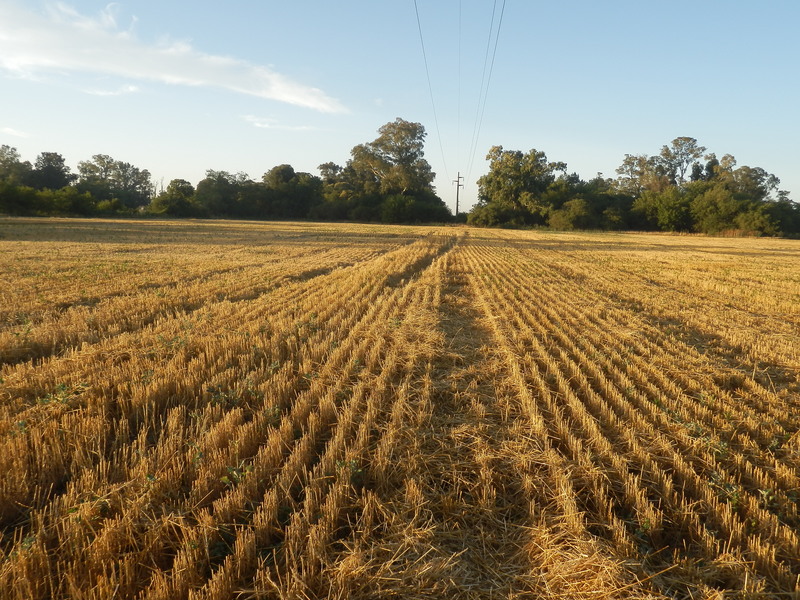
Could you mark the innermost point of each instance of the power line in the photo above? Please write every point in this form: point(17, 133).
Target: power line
point(485, 92)
point(430, 89)
point(473, 141)
point(458, 121)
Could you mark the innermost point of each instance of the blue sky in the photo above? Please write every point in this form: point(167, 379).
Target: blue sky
point(180, 87)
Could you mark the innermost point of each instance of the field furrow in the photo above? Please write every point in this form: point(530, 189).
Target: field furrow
point(646, 449)
point(220, 410)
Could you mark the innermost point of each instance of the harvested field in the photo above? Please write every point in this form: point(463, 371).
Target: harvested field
point(215, 410)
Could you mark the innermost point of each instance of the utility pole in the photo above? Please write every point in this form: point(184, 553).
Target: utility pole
point(459, 185)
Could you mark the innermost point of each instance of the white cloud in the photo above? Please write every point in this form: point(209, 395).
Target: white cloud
point(269, 123)
point(66, 41)
point(14, 132)
point(121, 91)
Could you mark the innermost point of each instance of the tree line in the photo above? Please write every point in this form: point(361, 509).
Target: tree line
point(683, 188)
point(387, 180)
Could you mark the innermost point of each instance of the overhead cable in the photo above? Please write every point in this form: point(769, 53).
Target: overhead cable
point(430, 89)
point(484, 91)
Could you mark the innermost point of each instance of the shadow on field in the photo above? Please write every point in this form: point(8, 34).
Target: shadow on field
point(639, 242)
point(736, 366)
point(188, 232)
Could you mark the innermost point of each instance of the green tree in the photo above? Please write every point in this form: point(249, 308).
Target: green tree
point(668, 210)
point(17, 199)
point(715, 209)
point(217, 194)
point(753, 183)
point(632, 172)
point(67, 201)
point(279, 177)
point(574, 214)
point(678, 158)
point(516, 187)
point(639, 173)
point(395, 159)
point(757, 220)
point(386, 180)
point(177, 200)
point(420, 208)
point(293, 194)
point(107, 179)
point(12, 169)
point(50, 172)
point(785, 215)
point(329, 172)
point(336, 194)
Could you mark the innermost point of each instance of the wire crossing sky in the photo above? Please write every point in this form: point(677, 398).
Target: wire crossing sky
point(485, 81)
point(181, 87)
point(430, 90)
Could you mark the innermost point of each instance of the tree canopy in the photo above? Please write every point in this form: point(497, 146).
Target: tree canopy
point(108, 179)
point(683, 187)
point(514, 189)
point(385, 180)
point(50, 172)
point(396, 159)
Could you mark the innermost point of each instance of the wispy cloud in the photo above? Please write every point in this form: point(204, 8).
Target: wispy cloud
point(63, 40)
point(13, 132)
point(120, 91)
point(269, 123)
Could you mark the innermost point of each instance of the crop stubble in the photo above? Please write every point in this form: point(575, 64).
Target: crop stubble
point(239, 410)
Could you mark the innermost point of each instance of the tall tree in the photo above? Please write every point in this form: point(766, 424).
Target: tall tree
point(279, 177)
point(50, 172)
point(329, 172)
point(668, 210)
point(639, 173)
point(396, 158)
point(386, 180)
point(517, 183)
point(12, 169)
point(217, 194)
point(106, 178)
point(293, 194)
point(679, 157)
point(715, 209)
point(631, 173)
point(177, 200)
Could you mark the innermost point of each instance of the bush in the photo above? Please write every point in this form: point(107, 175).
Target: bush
point(575, 214)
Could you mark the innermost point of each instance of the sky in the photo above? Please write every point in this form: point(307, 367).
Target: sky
point(178, 87)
